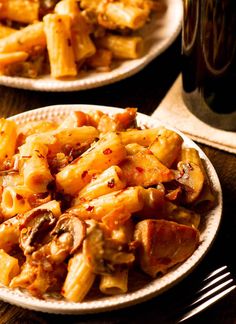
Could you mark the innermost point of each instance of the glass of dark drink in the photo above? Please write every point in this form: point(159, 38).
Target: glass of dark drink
point(209, 61)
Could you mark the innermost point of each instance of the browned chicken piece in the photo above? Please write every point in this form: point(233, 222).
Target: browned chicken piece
point(164, 244)
point(144, 169)
point(118, 122)
point(153, 203)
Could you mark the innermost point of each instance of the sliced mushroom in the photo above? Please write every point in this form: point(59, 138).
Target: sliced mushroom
point(93, 249)
point(71, 229)
point(35, 228)
point(103, 254)
point(192, 179)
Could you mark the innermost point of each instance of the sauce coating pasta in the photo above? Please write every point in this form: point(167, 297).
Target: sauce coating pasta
point(94, 197)
point(61, 38)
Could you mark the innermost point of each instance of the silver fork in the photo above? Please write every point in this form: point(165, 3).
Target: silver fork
point(215, 286)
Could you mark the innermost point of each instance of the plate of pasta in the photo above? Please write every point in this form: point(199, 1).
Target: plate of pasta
point(101, 208)
point(72, 45)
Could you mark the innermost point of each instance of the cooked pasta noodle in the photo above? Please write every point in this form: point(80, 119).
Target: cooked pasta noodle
point(89, 196)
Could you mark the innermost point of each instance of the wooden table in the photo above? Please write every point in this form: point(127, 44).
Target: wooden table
point(145, 91)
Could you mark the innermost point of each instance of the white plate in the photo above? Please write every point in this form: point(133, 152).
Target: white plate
point(158, 35)
point(143, 291)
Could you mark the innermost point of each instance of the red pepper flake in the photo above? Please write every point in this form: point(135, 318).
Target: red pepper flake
point(94, 176)
point(83, 175)
point(139, 169)
point(107, 151)
point(90, 208)
point(40, 156)
point(111, 183)
point(149, 152)
point(2, 132)
point(26, 156)
point(189, 166)
point(19, 197)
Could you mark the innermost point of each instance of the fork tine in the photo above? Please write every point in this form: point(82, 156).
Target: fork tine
point(214, 281)
point(206, 304)
point(213, 273)
point(212, 291)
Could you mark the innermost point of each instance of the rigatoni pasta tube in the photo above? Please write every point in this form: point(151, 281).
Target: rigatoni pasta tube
point(79, 279)
point(15, 57)
point(122, 47)
point(123, 15)
point(15, 200)
point(167, 146)
point(129, 199)
point(35, 168)
point(75, 137)
point(143, 137)
point(24, 39)
point(9, 269)
point(82, 44)
point(8, 133)
point(106, 152)
point(115, 283)
point(25, 11)
point(61, 56)
point(108, 181)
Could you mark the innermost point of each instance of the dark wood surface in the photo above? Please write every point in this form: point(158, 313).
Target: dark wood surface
point(145, 90)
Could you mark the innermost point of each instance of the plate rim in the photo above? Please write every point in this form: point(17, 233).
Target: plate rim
point(170, 279)
point(120, 73)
